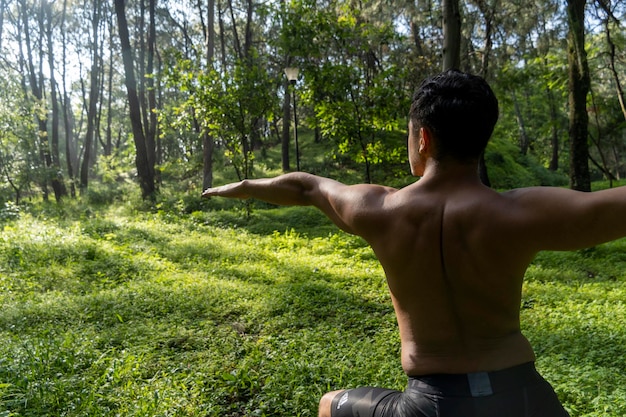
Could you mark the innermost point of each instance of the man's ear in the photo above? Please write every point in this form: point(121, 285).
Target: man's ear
point(425, 141)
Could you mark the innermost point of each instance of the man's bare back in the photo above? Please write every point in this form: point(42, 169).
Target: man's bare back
point(454, 282)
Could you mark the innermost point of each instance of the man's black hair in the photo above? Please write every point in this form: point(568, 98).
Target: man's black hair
point(460, 110)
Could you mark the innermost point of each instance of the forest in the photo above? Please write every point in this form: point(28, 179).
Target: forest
point(125, 294)
point(100, 100)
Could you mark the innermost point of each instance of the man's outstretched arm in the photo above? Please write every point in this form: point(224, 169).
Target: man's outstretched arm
point(563, 219)
point(343, 204)
point(292, 189)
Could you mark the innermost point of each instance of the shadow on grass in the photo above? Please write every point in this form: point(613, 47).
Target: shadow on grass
point(287, 295)
point(265, 219)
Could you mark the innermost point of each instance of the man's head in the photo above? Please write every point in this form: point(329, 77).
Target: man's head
point(459, 110)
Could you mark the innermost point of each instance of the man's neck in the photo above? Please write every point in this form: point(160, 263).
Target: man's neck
point(451, 170)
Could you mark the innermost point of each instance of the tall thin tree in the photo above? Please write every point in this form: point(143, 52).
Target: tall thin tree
point(208, 144)
point(151, 123)
point(579, 85)
point(610, 17)
point(451, 34)
point(2, 7)
point(94, 97)
point(67, 108)
point(286, 104)
point(144, 170)
point(58, 183)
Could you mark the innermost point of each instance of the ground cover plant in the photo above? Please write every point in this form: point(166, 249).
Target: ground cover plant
point(114, 312)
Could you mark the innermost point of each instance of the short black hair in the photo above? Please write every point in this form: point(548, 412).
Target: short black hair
point(460, 110)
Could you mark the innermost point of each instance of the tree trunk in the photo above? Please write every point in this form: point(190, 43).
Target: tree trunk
point(415, 29)
point(237, 43)
point(220, 19)
point(616, 158)
point(144, 171)
point(67, 108)
point(488, 11)
point(108, 147)
point(70, 148)
point(37, 87)
point(451, 34)
point(98, 142)
point(247, 43)
point(554, 141)
point(2, 7)
point(618, 85)
point(579, 84)
point(286, 126)
point(58, 185)
point(151, 125)
point(524, 140)
point(604, 166)
point(208, 144)
point(286, 110)
point(92, 107)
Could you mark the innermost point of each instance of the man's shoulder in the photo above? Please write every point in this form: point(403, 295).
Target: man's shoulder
point(538, 196)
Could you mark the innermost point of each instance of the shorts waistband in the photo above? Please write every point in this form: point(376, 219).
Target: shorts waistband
point(476, 384)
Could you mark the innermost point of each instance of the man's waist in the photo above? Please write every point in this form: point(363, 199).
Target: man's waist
point(476, 384)
point(459, 358)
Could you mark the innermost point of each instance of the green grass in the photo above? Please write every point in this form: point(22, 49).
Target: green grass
point(221, 313)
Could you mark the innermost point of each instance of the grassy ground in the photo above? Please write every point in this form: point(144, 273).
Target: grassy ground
point(217, 313)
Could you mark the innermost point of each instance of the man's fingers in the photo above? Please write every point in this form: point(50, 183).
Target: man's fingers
point(222, 191)
point(229, 191)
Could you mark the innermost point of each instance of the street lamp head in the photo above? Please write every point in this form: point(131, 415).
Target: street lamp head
point(292, 74)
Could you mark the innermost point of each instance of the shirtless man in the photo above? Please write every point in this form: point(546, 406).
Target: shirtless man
point(454, 253)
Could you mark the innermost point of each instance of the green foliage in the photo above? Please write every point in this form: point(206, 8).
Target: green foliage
point(529, 98)
point(241, 103)
point(509, 169)
point(574, 315)
point(357, 101)
point(115, 183)
point(359, 62)
point(10, 211)
point(18, 165)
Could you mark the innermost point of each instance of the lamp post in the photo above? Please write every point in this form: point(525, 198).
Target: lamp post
point(292, 76)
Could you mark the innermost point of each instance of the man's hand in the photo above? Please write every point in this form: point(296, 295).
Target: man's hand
point(233, 190)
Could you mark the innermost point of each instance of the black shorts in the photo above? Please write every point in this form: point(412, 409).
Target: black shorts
point(515, 392)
